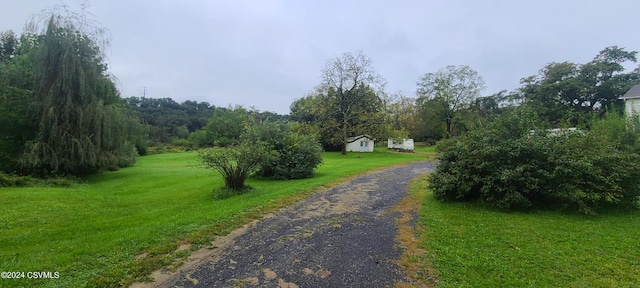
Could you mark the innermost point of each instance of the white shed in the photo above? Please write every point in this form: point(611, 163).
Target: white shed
point(632, 100)
point(400, 144)
point(362, 143)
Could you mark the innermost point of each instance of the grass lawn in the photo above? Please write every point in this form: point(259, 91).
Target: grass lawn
point(419, 148)
point(424, 149)
point(471, 246)
point(94, 234)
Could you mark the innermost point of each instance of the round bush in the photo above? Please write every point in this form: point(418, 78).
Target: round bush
point(515, 163)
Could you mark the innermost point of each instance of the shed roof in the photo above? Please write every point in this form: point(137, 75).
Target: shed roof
point(633, 93)
point(354, 139)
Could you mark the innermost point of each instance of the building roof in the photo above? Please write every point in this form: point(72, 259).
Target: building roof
point(633, 93)
point(354, 139)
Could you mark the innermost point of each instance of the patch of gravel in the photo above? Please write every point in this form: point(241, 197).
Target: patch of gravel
point(340, 237)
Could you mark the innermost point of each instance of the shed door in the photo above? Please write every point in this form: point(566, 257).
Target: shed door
point(364, 145)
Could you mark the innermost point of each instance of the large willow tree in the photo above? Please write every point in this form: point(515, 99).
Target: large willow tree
point(82, 124)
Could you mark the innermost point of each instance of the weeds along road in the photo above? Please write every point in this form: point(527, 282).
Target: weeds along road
point(339, 237)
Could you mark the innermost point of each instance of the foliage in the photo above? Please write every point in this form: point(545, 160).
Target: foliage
point(454, 88)
point(364, 116)
point(81, 124)
point(12, 180)
point(351, 101)
point(569, 92)
point(167, 120)
point(226, 125)
point(235, 163)
point(301, 154)
point(311, 112)
point(486, 108)
point(470, 246)
point(400, 114)
point(430, 125)
point(296, 152)
point(346, 102)
point(8, 180)
point(389, 119)
point(120, 226)
point(193, 124)
point(508, 166)
point(16, 83)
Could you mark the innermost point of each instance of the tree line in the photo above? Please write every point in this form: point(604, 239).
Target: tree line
point(499, 149)
point(62, 114)
point(191, 123)
point(561, 141)
point(351, 99)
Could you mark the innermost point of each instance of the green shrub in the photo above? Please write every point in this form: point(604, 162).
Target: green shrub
point(508, 166)
point(298, 158)
point(141, 148)
point(296, 154)
point(12, 180)
point(235, 163)
point(200, 139)
point(8, 180)
point(182, 142)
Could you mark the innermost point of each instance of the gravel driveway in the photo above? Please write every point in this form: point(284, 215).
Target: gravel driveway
point(338, 237)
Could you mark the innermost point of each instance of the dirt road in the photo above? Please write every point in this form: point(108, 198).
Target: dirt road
point(339, 237)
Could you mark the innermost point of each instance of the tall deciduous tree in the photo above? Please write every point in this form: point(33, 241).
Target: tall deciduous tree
point(573, 92)
point(605, 79)
point(485, 108)
point(400, 111)
point(8, 44)
point(455, 87)
point(429, 125)
point(312, 112)
point(322, 112)
point(349, 84)
point(82, 124)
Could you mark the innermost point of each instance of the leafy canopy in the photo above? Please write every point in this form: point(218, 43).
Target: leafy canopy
point(81, 122)
point(516, 163)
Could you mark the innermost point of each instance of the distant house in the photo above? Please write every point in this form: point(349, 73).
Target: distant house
point(557, 131)
point(400, 144)
point(632, 100)
point(362, 143)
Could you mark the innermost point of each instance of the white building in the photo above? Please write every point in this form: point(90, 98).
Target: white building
point(632, 101)
point(400, 144)
point(362, 143)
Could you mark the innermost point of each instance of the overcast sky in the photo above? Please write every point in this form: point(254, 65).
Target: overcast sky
point(266, 53)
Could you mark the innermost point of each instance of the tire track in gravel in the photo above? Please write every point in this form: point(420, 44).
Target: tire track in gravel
point(343, 236)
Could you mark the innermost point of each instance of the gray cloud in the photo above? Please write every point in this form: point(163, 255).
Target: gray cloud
point(267, 53)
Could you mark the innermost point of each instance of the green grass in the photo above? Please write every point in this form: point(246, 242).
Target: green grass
point(472, 246)
point(422, 148)
point(91, 233)
point(419, 148)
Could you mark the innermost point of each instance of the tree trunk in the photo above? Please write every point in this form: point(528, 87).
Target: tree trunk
point(344, 144)
point(344, 138)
